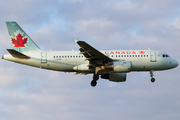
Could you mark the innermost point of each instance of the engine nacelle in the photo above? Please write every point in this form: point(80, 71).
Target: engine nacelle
point(120, 66)
point(82, 68)
point(115, 77)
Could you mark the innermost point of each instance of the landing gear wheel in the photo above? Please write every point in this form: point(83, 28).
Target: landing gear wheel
point(152, 80)
point(152, 74)
point(93, 83)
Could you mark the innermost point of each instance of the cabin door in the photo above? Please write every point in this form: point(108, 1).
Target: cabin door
point(43, 57)
point(153, 56)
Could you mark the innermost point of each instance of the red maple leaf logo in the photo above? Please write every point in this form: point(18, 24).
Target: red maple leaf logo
point(19, 41)
point(141, 52)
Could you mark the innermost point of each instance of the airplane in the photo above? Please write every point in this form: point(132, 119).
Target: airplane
point(109, 64)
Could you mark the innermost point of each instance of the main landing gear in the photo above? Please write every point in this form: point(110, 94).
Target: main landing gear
point(152, 74)
point(94, 81)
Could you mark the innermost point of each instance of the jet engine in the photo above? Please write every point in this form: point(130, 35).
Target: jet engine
point(83, 68)
point(115, 77)
point(119, 66)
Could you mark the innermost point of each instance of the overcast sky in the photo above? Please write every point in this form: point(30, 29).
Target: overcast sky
point(28, 93)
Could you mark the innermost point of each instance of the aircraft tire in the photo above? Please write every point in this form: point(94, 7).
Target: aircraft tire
point(93, 83)
point(152, 80)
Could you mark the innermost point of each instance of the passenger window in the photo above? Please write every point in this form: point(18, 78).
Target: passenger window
point(147, 55)
point(121, 55)
point(62, 56)
point(54, 56)
point(144, 55)
point(111, 55)
point(127, 55)
point(135, 55)
point(132, 55)
point(138, 55)
point(124, 55)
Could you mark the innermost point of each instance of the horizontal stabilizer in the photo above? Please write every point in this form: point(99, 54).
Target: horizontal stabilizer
point(17, 54)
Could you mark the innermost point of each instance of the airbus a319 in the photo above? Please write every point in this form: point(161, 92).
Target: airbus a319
point(108, 64)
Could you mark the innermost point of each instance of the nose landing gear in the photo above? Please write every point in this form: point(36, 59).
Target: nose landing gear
point(94, 81)
point(152, 74)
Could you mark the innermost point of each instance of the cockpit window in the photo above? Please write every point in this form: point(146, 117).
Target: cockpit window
point(165, 55)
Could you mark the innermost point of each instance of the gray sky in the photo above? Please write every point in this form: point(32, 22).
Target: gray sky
point(36, 94)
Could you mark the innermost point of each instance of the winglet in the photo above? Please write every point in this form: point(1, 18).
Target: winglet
point(75, 40)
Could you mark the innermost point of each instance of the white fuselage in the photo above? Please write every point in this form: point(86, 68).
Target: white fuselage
point(142, 60)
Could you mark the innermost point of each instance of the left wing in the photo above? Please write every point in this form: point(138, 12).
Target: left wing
point(95, 57)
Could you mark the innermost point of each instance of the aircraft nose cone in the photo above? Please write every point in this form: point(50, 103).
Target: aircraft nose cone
point(175, 63)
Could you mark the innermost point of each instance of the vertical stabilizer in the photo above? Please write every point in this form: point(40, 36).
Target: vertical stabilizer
point(21, 42)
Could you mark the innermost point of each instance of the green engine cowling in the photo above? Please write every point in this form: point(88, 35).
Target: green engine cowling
point(115, 77)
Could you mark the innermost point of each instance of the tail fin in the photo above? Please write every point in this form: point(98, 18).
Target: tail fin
point(21, 42)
